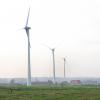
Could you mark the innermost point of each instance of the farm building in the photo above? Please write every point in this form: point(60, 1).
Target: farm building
point(75, 82)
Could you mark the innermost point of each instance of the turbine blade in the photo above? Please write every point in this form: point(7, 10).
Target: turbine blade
point(27, 34)
point(19, 29)
point(30, 45)
point(57, 45)
point(28, 17)
point(47, 46)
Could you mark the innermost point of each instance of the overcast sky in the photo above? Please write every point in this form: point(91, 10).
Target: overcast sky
point(72, 26)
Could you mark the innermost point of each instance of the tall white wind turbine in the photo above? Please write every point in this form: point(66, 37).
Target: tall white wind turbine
point(27, 28)
point(53, 56)
point(64, 66)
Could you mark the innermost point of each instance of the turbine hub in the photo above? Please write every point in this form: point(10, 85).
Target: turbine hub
point(27, 28)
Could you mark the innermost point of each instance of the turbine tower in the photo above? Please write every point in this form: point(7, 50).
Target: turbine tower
point(64, 66)
point(53, 56)
point(27, 28)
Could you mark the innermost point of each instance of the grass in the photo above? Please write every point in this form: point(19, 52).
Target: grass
point(49, 93)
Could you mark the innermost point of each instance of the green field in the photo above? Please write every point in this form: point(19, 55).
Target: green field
point(49, 93)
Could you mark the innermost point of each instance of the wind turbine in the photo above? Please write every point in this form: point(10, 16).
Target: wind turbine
point(64, 66)
point(27, 28)
point(53, 56)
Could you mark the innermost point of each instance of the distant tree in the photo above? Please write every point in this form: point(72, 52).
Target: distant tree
point(64, 83)
point(50, 82)
point(12, 81)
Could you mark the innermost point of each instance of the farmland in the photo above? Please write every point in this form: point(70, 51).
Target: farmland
point(49, 93)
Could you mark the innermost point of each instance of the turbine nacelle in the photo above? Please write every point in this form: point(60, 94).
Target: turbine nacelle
point(53, 49)
point(27, 28)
